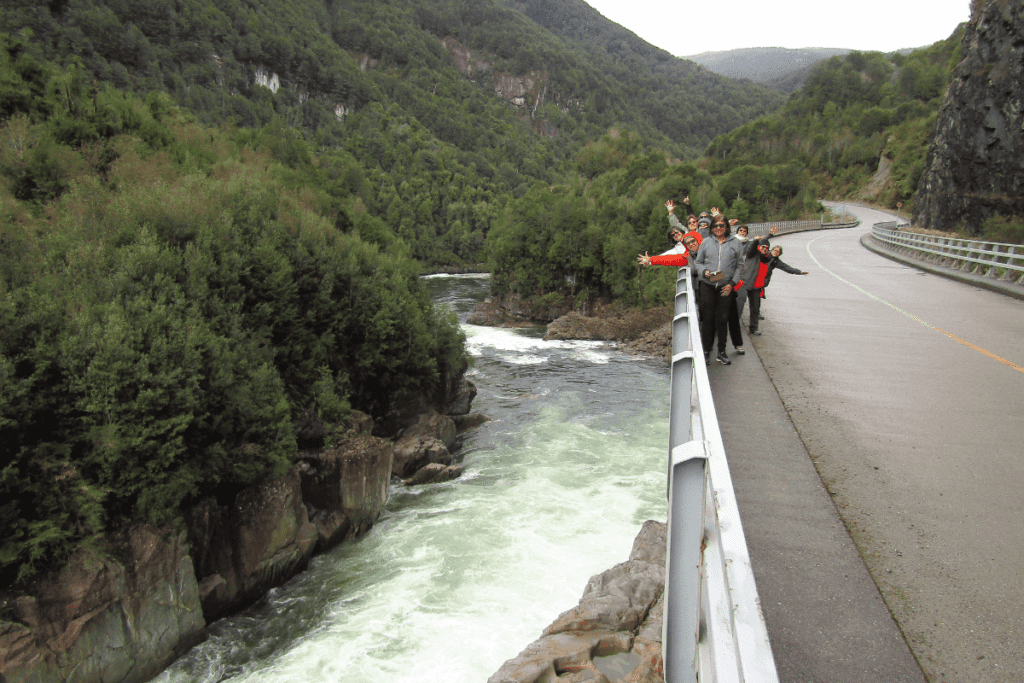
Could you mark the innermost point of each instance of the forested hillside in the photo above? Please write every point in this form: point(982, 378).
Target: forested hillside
point(178, 307)
point(214, 213)
point(854, 115)
point(431, 137)
point(777, 67)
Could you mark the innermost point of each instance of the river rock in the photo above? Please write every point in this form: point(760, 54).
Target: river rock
point(433, 424)
point(347, 487)
point(619, 616)
point(607, 323)
point(259, 541)
point(464, 422)
point(513, 311)
point(434, 473)
point(415, 452)
point(359, 423)
point(430, 440)
point(98, 620)
point(656, 343)
point(463, 399)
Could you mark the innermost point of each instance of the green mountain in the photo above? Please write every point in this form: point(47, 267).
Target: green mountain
point(858, 128)
point(506, 100)
point(776, 67)
point(214, 213)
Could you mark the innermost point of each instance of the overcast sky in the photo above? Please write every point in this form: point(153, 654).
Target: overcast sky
point(691, 27)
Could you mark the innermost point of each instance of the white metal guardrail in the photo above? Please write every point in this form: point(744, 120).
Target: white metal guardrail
point(713, 626)
point(989, 259)
point(761, 229)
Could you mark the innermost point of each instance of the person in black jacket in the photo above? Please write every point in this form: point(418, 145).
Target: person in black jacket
point(771, 258)
point(777, 262)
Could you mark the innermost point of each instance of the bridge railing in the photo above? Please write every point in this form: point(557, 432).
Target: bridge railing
point(761, 229)
point(996, 260)
point(714, 629)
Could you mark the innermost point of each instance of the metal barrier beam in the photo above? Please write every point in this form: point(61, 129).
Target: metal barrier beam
point(713, 626)
point(997, 260)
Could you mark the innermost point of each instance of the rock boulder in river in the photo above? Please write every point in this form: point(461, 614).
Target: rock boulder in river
point(434, 473)
point(606, 322)
point(614, 634)
point(430, 440)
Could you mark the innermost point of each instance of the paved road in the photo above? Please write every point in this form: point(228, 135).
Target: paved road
point(907, 392)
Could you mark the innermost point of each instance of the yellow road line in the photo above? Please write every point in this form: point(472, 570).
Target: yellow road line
point(911, 315)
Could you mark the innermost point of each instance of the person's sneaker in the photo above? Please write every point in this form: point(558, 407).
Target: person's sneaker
point(754, 331)
point(707, 358)
point(739, 350)
point(760, 317)
point(722, 358)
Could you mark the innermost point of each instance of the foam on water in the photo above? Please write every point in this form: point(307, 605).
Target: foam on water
point(455, 578)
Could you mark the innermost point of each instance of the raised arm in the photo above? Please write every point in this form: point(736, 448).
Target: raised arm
point(779, 263)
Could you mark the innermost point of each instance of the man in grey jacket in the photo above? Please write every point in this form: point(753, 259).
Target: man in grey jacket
point(718, 266)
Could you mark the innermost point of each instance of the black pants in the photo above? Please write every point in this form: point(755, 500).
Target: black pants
point(734, 320)
point(754, 299)
point(714, 315)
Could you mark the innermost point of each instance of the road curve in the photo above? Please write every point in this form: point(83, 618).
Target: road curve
point(907, 390)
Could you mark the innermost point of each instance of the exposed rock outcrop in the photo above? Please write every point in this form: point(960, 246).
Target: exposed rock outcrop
point(260, 540)
point(515, 312)
point(462, 401)
point(346, 487)
point(614, 634)
point(434, 473)
point(975, 165)
point(468, 421)
point(606, 323)
point(429, 441)
point(656, 343)
point(124, 615)
point(100, 619)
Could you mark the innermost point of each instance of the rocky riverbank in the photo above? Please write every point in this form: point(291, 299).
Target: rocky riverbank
point(645, 332)
point(123, 614)
point(614, 633)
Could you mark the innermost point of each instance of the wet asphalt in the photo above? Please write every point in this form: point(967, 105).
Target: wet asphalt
point(874, 438)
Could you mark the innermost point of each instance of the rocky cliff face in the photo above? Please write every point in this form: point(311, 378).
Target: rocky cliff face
point(106, 619)
point(123, 615)
point(975, 166)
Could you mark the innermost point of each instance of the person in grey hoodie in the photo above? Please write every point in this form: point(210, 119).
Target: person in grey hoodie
point(718, 267)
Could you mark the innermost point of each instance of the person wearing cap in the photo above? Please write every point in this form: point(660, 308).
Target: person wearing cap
point(768, 261)
point(751, 256)
point(704, 226)
point(718, 264)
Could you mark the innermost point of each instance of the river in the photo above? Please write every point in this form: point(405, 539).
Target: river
point(456, 578)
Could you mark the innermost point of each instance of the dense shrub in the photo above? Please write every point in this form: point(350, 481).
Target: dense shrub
point(174, 308)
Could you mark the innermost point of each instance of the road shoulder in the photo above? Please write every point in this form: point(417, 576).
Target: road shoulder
point(826, 619)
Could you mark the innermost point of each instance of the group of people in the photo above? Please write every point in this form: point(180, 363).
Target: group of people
point(728, 271)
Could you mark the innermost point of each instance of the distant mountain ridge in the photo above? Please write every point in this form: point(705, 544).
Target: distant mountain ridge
point(778, 67)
